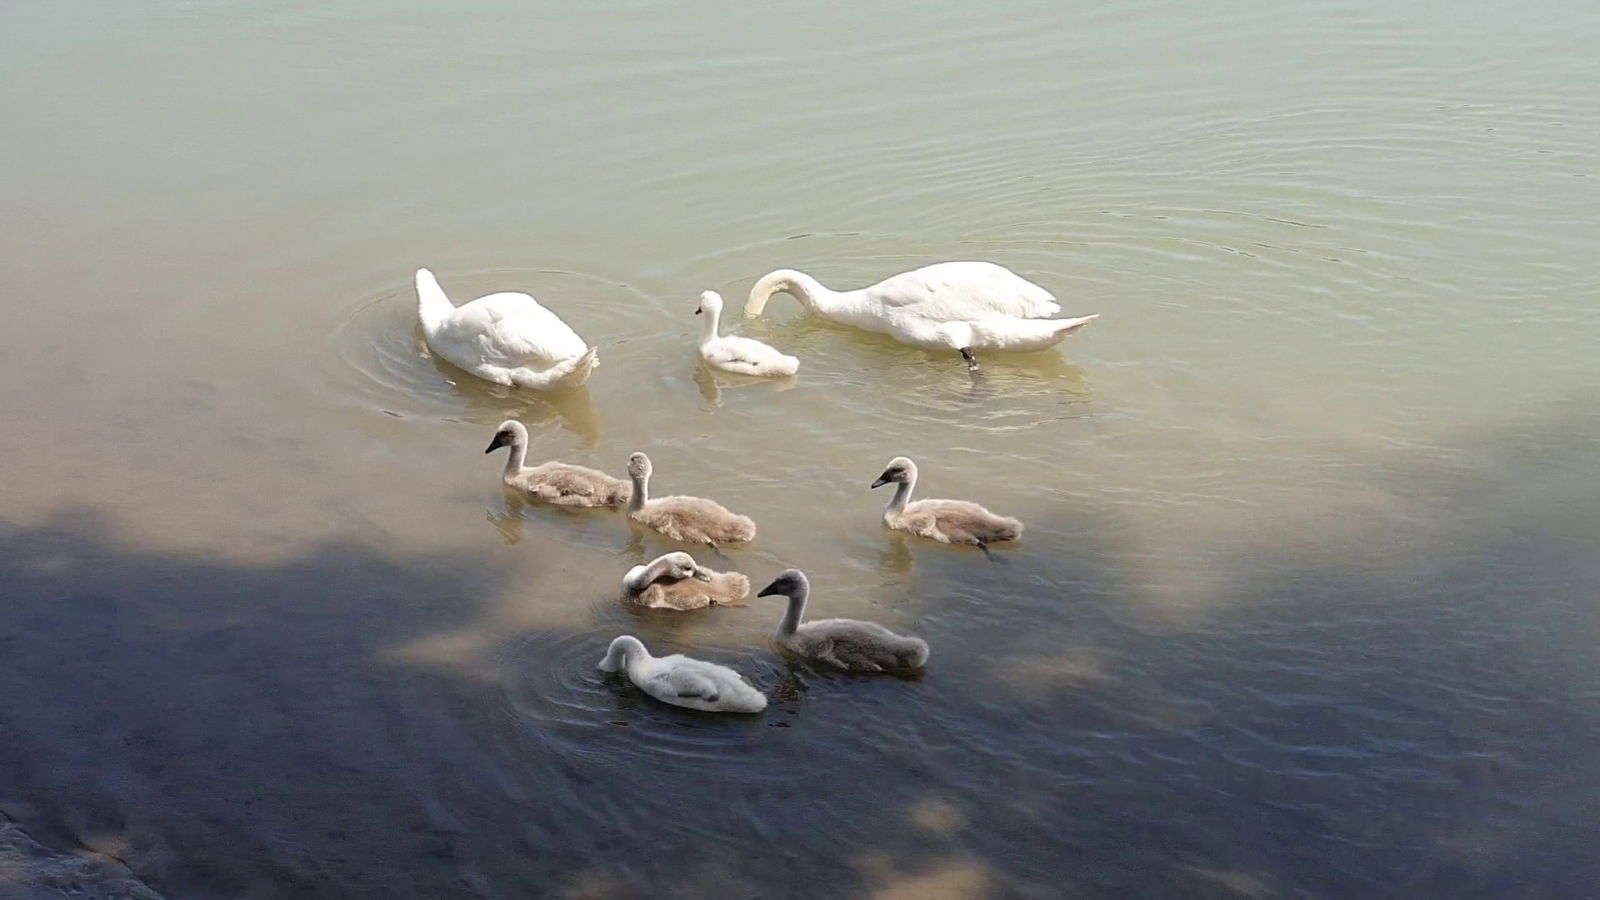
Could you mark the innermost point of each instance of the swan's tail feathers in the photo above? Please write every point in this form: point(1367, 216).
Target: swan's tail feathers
point(1069, 326)
point(575, 371)
point(433, 306)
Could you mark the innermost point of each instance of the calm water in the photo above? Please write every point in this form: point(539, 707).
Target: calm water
point(1307, 605)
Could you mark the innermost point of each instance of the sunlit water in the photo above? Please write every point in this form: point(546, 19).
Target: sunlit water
point(1307, 601)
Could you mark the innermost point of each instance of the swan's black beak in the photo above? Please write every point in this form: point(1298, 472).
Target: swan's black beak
point(770, 590)
point(698, 310)
point(882, 480)
point(702, 575)
point(500, 440)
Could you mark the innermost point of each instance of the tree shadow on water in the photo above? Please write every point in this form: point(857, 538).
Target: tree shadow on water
point(1406, 709)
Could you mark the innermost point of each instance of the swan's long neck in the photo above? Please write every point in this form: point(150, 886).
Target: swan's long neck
point(433, 307)
point(622, 654)
point(641, 492)
point(902, 496)
point(709, 332)
point(647, 575)
point(797, 609)
point(518, 456)
point(810, 292)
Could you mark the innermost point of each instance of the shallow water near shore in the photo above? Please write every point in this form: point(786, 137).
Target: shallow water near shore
point(1306, 605)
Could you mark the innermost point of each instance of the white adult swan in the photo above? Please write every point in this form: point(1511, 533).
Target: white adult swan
point(965, 306)
point(947, 521)
point(847, 643)
point(731, 353)
point(677, 581)
point(506, 338)
point(683, 681)
point(558, 483)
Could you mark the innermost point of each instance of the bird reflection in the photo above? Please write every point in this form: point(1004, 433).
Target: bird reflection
point(898, 558)
point(509, 522)
point(489, 404)
point(711, 381)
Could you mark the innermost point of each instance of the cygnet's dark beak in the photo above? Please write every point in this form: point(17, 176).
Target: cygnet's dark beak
point(882, 480)
point(702, 575)
point(500, 440)
point(770, 589)
point(698, 310)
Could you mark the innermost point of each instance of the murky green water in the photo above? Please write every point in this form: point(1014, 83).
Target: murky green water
point(1307, 602)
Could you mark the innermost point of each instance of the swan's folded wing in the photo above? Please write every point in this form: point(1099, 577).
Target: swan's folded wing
point(738, 351)
point(688, 684)
point(857, 652)
point(574, 482)
point(957, 291)
point(517, 330)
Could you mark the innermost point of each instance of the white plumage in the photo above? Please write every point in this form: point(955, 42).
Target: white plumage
point(682, 680)
point(506, 338)
point(747, 356)
point(965, 306)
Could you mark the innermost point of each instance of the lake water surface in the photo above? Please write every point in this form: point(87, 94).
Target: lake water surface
point(1307, 604)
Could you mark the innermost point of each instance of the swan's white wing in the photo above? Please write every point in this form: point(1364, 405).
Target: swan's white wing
point(953, 291)
point(689, 683)
point(733, 350)
point(512, 329)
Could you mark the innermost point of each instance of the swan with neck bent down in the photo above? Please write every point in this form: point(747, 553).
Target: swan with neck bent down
point(965, 306)
point(683, 680)
point(506, 338)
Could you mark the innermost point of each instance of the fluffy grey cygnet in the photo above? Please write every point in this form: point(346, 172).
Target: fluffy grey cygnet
point(676, 581)
point(693, 520)
point(948, 521)
point(559, 483)
point(846, 643)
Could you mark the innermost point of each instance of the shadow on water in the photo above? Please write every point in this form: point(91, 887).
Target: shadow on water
point(1420, 722)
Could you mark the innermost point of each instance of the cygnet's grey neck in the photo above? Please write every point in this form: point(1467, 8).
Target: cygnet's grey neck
point(648, 576)
point(902, 495)
point(792, 615)
point(641, 492)
point(518, 456)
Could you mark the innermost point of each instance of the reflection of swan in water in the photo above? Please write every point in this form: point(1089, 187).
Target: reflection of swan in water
point(511, 520)
point(488, 404)
point(510, 523)
point(896, 560)
point(711, 381)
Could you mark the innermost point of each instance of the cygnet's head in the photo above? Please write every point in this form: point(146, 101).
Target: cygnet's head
point(789, 583)
point(900, 470)
point(710, 302)
point(639, 465)
point(681, 565)
point(623, 646)
point(506, 435)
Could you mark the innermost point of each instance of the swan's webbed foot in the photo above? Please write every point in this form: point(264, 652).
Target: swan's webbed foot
point(971, 358)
